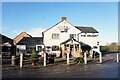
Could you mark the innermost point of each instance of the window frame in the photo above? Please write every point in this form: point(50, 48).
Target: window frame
point(55, 36)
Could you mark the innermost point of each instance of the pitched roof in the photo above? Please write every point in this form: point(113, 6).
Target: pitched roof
point(4, 39)
point(70, 39)
point(31, 41)
point(87, 29)
point(52, 26)
point(20, 36)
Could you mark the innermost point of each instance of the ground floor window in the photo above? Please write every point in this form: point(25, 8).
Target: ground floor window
point(66, 46)
point(76, 47)
point(48, 48)
point(39, 48)
point(55, 48)
point(30, 49)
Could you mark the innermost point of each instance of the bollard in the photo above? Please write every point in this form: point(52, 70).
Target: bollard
point(21, 60)
point(85, 58)
point(13, 61)
point(100, 57)
point(44, 59)
point(68, 59)
point(117, 58)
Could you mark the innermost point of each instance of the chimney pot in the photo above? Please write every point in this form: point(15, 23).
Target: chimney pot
point(63, 18)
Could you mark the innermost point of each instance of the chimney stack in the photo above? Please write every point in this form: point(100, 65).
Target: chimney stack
point(63, 18)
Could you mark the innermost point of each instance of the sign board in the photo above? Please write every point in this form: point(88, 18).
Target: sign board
point(63, 28)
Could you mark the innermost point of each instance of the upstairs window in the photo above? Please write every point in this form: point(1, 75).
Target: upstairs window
point(55, 36)
point(72, 35)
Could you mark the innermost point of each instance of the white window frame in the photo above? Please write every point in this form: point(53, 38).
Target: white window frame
point(55, 36)
point(39, 45)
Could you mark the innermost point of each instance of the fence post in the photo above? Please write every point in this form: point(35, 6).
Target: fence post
point(44, 58)
point(117, 57)
point(68, 58)
point(21, 60)
point(85, 58)
point(13, 60)
point(100, 57)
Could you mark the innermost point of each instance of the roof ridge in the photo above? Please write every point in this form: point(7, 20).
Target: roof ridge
point(21, 33)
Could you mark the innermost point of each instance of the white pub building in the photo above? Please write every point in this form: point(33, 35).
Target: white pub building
point(64, 35)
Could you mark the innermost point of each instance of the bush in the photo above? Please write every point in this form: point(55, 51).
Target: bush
point(79, 60)
point(104, 48)
point(34, 57)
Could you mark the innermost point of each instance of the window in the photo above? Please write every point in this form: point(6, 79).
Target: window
point(97, 43)
point(76, 47)
point(55, 36)
point(29, 49)
point(39, 48)
point(66, 46)
point(48, 48)
point(72, 35)
point(55, 48)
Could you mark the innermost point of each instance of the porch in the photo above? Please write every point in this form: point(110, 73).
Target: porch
point(73, 46)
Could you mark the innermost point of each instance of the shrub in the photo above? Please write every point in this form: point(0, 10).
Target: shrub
point(34, 57)
point(79, 60)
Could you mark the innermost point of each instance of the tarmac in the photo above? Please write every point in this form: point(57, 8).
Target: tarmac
point(108, 69)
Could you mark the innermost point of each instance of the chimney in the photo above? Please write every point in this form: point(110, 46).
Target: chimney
point(63, 18)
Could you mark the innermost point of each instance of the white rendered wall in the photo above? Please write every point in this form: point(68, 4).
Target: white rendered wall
point(48, 41)
point(92, 41)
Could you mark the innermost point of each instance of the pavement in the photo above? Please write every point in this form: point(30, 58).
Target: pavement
point(108, 69)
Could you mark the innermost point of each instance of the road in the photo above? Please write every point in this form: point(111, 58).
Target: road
point(108, 69)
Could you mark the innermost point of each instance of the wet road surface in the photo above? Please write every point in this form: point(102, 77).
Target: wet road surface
point(108, 69)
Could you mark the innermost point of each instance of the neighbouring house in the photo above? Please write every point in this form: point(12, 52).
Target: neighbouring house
point(20, 36)
point(64, 35)
point(30, 43)
point(6, 43)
